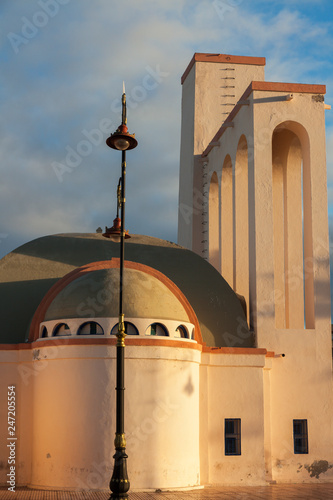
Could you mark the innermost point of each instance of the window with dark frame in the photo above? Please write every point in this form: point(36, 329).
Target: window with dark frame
point(130, 329)
point(61, 329)
point(232, 436)
point(157, 329)
point(300, 436)
point(90, 328)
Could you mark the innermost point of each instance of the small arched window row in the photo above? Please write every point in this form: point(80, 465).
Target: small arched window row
point(157, 329)
point(87, 328)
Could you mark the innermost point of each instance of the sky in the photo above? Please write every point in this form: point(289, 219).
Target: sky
point(63, 63)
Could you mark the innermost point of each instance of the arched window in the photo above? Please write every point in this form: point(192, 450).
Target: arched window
point(292, 225)
point(130, 329)
point(157, 329)
point(90, 328)
point(62, 329)
point(181, 332)
point(44, 333)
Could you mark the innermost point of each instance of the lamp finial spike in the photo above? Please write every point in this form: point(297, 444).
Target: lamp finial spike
point(123, 100)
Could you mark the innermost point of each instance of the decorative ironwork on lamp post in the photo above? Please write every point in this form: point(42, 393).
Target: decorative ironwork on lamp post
point(114, 232)
point(122, 141)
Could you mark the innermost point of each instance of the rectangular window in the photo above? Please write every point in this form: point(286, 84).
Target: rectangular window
point(232, 436)
point(300, 436)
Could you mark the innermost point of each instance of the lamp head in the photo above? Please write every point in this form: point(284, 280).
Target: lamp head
point(121, 139)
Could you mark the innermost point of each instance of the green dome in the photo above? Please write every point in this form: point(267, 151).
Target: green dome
point(27, 273)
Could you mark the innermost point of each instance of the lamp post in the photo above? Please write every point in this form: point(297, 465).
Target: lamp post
point(119, 483)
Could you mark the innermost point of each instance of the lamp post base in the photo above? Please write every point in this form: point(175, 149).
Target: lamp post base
point(119, 484)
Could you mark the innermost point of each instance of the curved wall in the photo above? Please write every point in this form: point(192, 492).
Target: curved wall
point(74, 416)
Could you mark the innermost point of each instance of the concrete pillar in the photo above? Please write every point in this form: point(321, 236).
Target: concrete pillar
point(241, 222)
point(227, 221)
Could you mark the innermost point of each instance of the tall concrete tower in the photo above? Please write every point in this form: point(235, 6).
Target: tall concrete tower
point(211, 86)
point(253, 202)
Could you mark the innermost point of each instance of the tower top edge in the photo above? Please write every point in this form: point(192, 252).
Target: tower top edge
point(222, 58)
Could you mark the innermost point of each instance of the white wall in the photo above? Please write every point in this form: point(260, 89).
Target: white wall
point(234, 387)
point(74, 417)
point(16, 368)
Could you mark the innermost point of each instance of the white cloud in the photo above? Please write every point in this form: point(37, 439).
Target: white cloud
point(67, 77)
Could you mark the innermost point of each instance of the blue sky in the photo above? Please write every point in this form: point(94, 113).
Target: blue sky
point(62, 67)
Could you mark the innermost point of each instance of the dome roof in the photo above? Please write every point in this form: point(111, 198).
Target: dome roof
point(97, 294)
point(28, 273)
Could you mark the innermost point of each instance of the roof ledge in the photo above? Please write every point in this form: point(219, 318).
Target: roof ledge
point(222, 58)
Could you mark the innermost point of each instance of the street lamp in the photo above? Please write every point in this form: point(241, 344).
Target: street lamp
point(119, 483)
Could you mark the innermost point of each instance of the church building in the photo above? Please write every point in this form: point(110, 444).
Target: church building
point(228, 358)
